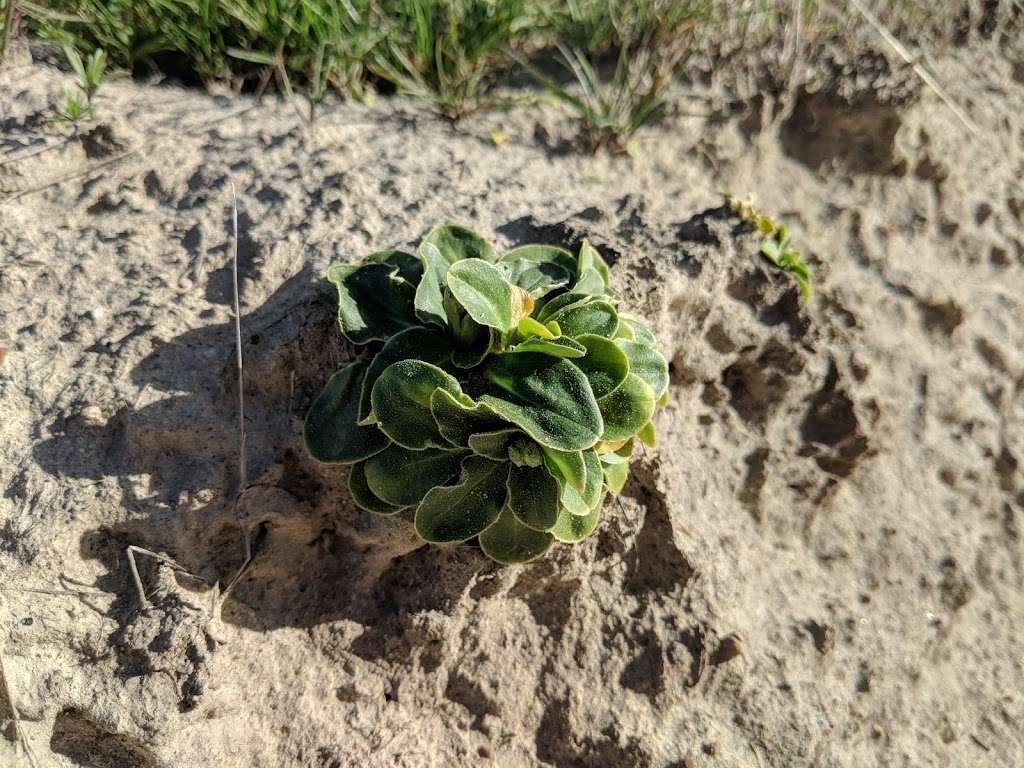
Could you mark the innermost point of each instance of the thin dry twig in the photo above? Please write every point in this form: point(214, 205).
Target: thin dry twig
point(921, 72)
point(243, 481)
point(133, 550)
point(18, 729)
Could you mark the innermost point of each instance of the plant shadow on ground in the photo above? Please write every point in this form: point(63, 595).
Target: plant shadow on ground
point(175, 458)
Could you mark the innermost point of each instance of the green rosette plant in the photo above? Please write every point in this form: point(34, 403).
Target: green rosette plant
point(500, 396)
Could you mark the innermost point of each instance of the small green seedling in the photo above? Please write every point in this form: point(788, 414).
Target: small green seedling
point(501, 396)
point(775, 245)
point(90, 73)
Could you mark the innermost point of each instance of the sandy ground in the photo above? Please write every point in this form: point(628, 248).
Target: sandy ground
point(821, 564)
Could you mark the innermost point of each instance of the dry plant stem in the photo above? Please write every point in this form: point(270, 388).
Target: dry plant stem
point(923, 73)
point(29, 754)
point(242, 467)
point(133, 550)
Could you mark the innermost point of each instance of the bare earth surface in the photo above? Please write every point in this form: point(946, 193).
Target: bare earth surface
point(822, 564)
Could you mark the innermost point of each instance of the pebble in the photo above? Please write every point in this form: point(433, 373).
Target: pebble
point(92, 416)
point(97, 313)
point(729, 648)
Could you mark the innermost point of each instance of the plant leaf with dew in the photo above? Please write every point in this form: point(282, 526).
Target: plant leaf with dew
point(363, 496)
point(494, 445)
point(605, 364)
point(468, 508)
point(401, 403)
point(547, 397)
point(486, 295)
point(627, 409)
point(429, 296)
point(458, 417)
point(568, 466)
point(456, 243)
point(544, 254)
point(561, 346)
point(510, 542)
point(581, 502)
point(416, 343)
point(533, 496)
point(570, 528)
point(374, 302)
point(647, 363)
point(409, 267)
point(330, 430)
point(402, 477)
point(594, 317)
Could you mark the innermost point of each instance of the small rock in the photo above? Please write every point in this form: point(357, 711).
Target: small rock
point(96, 313)
point(485, 752)
point(729, 648)
point(822, 634)
point(92, 416)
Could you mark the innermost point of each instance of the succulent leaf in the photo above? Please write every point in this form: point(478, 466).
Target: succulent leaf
point(618, 455)
point(468, 508)
point(605, 364)
point(567, 466)
point(330, 430)
point(570, 528)
point(535, 277)
point(409, 267)
point(417, 343)
point(530, 327)
point(627, 409)
point(590, 258)
point(363, 496)
point(456, 243)
point(486, 295)
point(594, 317)
point(648, 436)
point(544, 254)
point(429, 297)
point(547, 397)
point(458, 417)
point(581, 502)
point(641, 333)
point(533, 496)
point(494, 445)
point(509, 542)
point(560, 302)
point(590, 282)
point(401, 403)
point(647, 363)
point(402, 477)
point(562, 346)
point(374, 303)
point(615, 476)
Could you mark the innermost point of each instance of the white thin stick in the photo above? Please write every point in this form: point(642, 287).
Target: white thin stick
point(242, 482)
point(17, 716)
point(923, 73)
point(133, 550)
point(242, 468)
